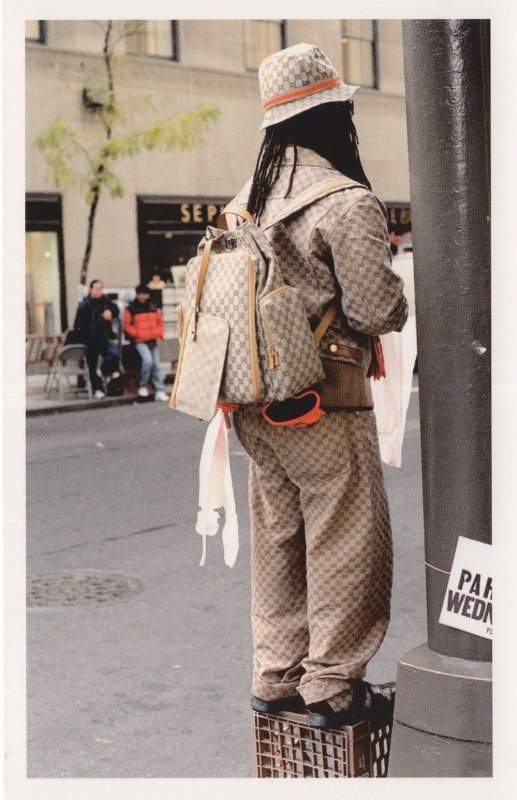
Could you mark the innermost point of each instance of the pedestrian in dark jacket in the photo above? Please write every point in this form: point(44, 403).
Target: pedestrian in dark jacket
point(93, 325)
point(143, 323)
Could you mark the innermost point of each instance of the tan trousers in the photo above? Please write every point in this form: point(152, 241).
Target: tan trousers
point(321, 552)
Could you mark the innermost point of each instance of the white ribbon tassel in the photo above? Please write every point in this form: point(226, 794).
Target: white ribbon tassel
point(216, 497)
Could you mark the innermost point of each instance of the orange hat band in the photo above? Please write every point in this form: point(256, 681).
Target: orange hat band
point(328, 83)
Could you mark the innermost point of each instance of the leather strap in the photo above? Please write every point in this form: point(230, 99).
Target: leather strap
point(344, 350)
point(203, 267)
point(325, 321)
point(239, 211)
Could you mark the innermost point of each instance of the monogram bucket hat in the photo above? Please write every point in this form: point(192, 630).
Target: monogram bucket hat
point(296, 79)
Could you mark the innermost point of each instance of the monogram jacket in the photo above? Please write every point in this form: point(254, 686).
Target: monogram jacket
point(337, 246)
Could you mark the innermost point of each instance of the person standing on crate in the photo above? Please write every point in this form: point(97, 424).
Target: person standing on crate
point(143, 323)
point(321, 539)
point(93, 327)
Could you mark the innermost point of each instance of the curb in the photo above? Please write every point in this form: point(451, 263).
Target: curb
point(83, 405)
point(87, 405)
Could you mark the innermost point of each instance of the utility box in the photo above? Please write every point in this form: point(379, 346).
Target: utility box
point(287, 747)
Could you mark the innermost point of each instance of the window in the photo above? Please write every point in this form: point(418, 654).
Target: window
point(45, 296)
point(359, 42)
point(35, 30)
point(152, 37)
point(42, 283)
point(261, 38)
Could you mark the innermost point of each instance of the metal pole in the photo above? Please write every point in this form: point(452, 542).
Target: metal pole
point(442, 723)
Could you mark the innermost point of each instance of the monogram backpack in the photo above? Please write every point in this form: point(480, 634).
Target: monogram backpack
point(244, 333)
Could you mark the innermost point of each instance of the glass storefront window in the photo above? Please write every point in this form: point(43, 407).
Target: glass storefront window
point(261, 38)
point(42, 283)
point(359, 52)
point(151, 37)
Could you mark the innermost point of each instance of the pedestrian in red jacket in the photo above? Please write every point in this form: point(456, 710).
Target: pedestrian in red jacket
point(143, 323)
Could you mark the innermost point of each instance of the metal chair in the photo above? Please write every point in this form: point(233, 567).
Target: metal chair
point(49, 355)
point(70, 361)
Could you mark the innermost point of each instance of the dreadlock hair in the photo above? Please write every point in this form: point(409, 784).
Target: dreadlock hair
point(327, 129)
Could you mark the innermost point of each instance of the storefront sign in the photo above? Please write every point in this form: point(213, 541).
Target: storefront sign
point(205, 213)
point(169, 232)
point(467, 604)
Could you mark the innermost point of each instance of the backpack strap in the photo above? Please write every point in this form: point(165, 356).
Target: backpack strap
point(239, 211)
point(312, 194)
point(203, 267)
point(307, 197)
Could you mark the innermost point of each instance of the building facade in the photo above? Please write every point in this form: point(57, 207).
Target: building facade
point(166, 67)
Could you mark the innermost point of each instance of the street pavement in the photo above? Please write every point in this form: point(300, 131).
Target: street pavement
point(157, 684)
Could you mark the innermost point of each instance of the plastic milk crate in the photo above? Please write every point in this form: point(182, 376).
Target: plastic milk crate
point(287, 747)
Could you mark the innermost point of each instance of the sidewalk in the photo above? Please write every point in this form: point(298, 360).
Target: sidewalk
point(38, 403)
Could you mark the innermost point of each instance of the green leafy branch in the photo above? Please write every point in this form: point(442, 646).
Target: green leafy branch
point(74, 161)
point(71, 163)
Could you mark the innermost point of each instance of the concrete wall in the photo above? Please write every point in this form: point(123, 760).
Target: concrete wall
point(211, 70)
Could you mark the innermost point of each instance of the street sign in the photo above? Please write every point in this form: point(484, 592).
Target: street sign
point(467, 604)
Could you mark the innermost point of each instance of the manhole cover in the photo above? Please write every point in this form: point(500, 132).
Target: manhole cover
point(80, 588)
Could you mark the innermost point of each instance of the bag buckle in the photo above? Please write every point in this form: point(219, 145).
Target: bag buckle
point(230, 242)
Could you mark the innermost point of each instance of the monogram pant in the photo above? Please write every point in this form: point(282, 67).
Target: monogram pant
point(321, 552)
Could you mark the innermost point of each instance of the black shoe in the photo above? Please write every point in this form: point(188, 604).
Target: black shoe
point(380, 707)
point(382, 700)
point(322, 715)
point(294, 703)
